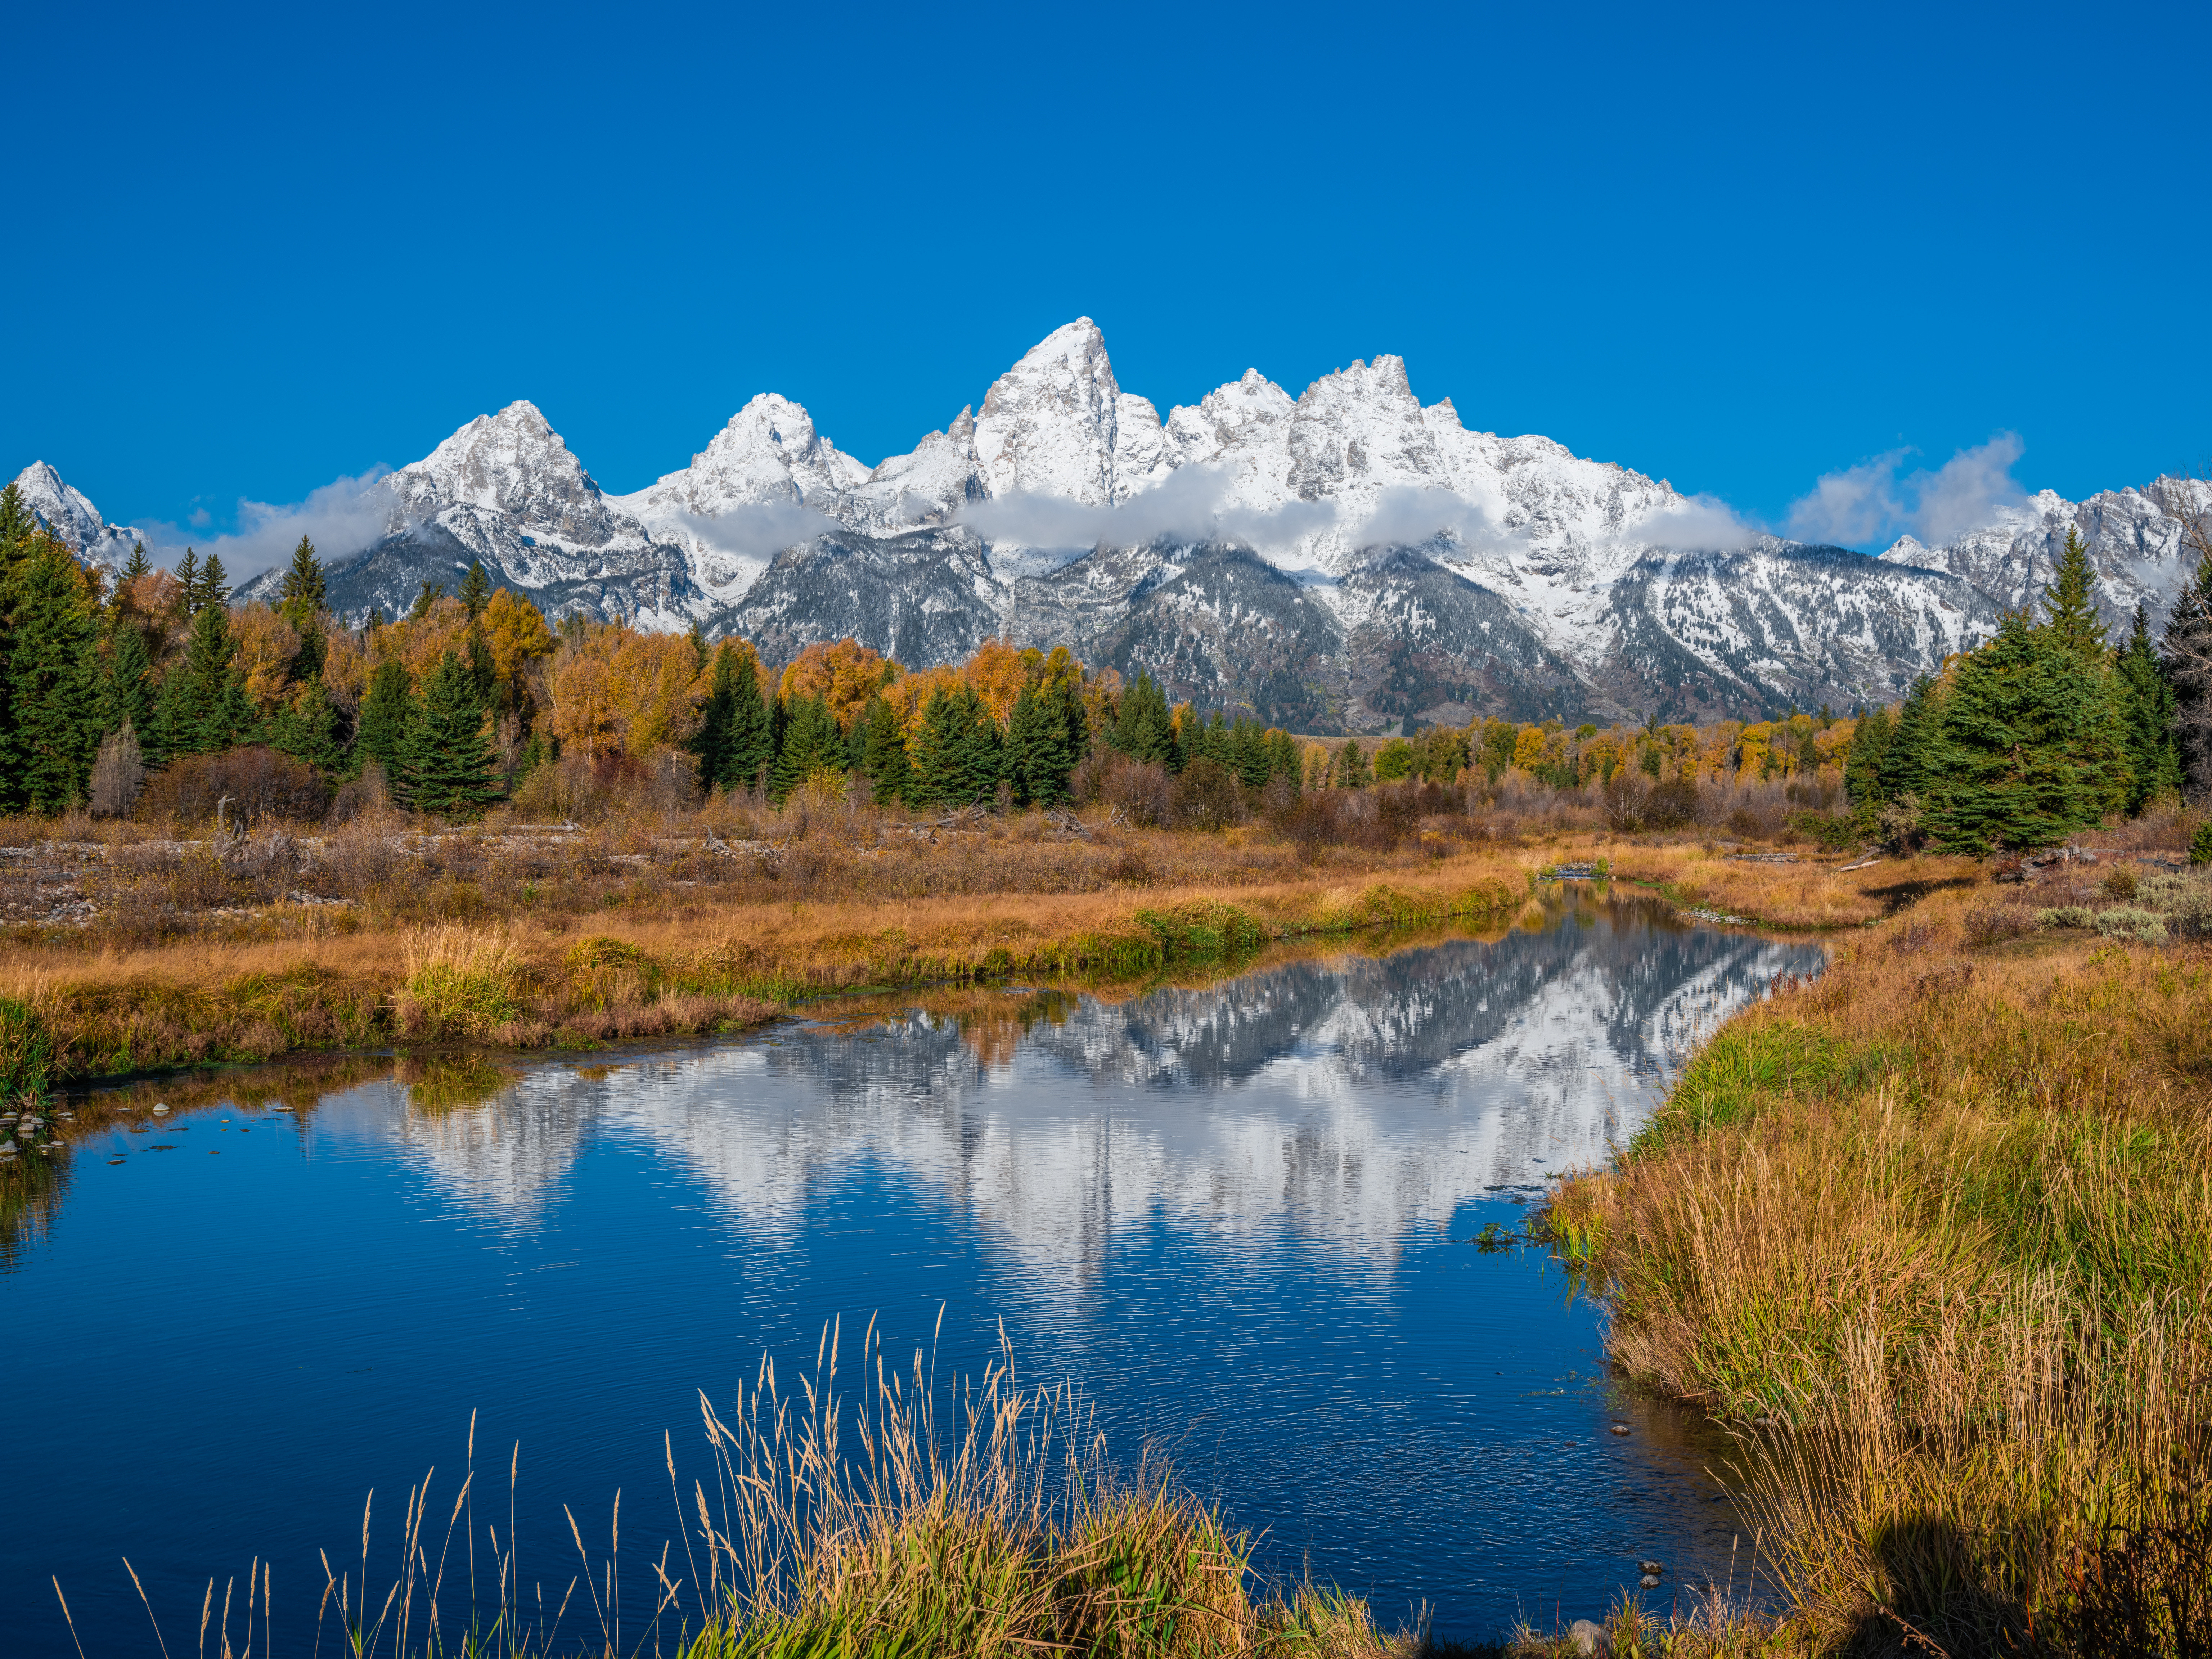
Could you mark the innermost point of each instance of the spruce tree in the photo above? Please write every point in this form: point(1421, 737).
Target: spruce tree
point(981, 754)
point(452, 772)
point(188, 583)
point(811, 743)
point(1862, 763)
point(300, 595)
point(711, 743)
point(1905, 759)
point(1351, 768)
point(204, 707)
point(1142, 730)
point(748, 746)
point(133, 567)
point(2185, 653)
point(2147, 716)
point(165, 736)
point(54, 684)
point(214, 589)
point(2070, 604)
point(476, 590)
point(129, 679)
point(384, 730)
point(1032, 751)
point(306, 727)
point(932, 751)
point(882, 755)
point(2030, 748)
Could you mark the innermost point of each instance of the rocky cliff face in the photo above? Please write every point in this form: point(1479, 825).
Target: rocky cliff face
point(72, 519)
point(1348, 558)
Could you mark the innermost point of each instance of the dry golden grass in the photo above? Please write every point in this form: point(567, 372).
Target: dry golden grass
point(1938, 1227)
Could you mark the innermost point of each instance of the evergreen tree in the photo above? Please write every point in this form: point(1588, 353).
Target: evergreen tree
point(204, 707)
point(300, 595)
point(165, 737)
point(711, 743)
point(2070, 604)
point(1351, 768)
point(1036, 749)
point(1905, 760)
point(1074, 719)
point(811, 743)
point(430, 594)
point(1142, 730)
point(306, 727)
point(2147, 716)
point(129, 680)
point(2185, 653)
point(476, 595)
point(981, 750)
point(385, 728)
point(54, 686)
point(214, 589)
point(882, 754)
point(1283, 761)
point(133, 567)
point(751, 749)
point(2030, 748)
point(1862, 761)
point(188, 583)
point(451, 769)
point(932, 751)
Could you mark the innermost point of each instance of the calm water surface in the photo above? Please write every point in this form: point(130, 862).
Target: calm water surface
point(1235, 1218)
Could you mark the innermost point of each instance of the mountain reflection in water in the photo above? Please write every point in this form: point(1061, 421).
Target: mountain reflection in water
point(1226, 1214)
point(1352, 1098)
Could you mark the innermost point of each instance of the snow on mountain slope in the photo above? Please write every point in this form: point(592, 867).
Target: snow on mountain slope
point(73, 520)
point(505, 489)
point(2136, 539)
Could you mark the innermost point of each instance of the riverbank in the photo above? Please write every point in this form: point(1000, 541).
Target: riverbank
point(1934, 1232)
point(536, 941)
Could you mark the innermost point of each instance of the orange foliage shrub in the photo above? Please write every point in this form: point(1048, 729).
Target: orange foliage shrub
point(846, 673)
point(638, 692)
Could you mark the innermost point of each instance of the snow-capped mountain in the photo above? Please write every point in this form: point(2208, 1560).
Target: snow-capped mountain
point(1346, 559)
point(73, 520)
point(507, 490)
point(2136, 543)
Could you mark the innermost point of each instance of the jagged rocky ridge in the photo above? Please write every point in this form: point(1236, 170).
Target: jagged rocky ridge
point(1346, 559)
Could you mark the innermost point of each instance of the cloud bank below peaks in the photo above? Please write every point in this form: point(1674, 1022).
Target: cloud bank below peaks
point(1871, 504)
point(341, 518)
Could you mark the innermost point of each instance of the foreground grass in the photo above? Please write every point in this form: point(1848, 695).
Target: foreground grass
point(1936, 1230)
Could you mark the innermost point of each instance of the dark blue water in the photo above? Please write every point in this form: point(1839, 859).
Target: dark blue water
point(1233, 1217)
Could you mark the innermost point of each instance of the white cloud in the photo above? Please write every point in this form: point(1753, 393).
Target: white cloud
point(341, 518)
point(757, 531)
point(1188, 505)
point(1702, 523)
point(1870, 504)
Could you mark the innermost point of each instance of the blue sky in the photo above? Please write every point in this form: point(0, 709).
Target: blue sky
point(257, 251)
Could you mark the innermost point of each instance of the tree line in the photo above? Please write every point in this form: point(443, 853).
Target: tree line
point(2048, 728)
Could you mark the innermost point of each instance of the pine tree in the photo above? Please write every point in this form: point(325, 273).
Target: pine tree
point(133, 567)
point(1905, 760)
point(1351, 768)
point(1074, 719)
point(188, 583)
point(752, 730)
point(204, 707)
point(811, 743)
point(306, 728)
point(54, 686)
point(932, 751)
point(2070, 604)
point(1142, 730)
point(2185, 653)
point(1862, 763)
point(711, 743)
point(129, 680)
point(882, 754)
point(452, 772)
point(1034, 738)
point(165, 737)
point(384, 731)
point(214, 590)
point(981, 753)
point(1283, 760)
point(2147, 716)
point(476, 592)
point(300, 595)
point(2030, 748)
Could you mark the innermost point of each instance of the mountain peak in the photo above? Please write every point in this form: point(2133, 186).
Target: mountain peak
point(71, 518)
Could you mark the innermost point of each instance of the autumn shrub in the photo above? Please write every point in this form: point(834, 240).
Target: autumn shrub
point(1142, 791)
point(259, 784)
point(1205, 796)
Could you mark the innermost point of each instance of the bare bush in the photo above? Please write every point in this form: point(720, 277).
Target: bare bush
point(1206, 797)
point(258, 783)
point(117, 775)
point(1143, 791)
